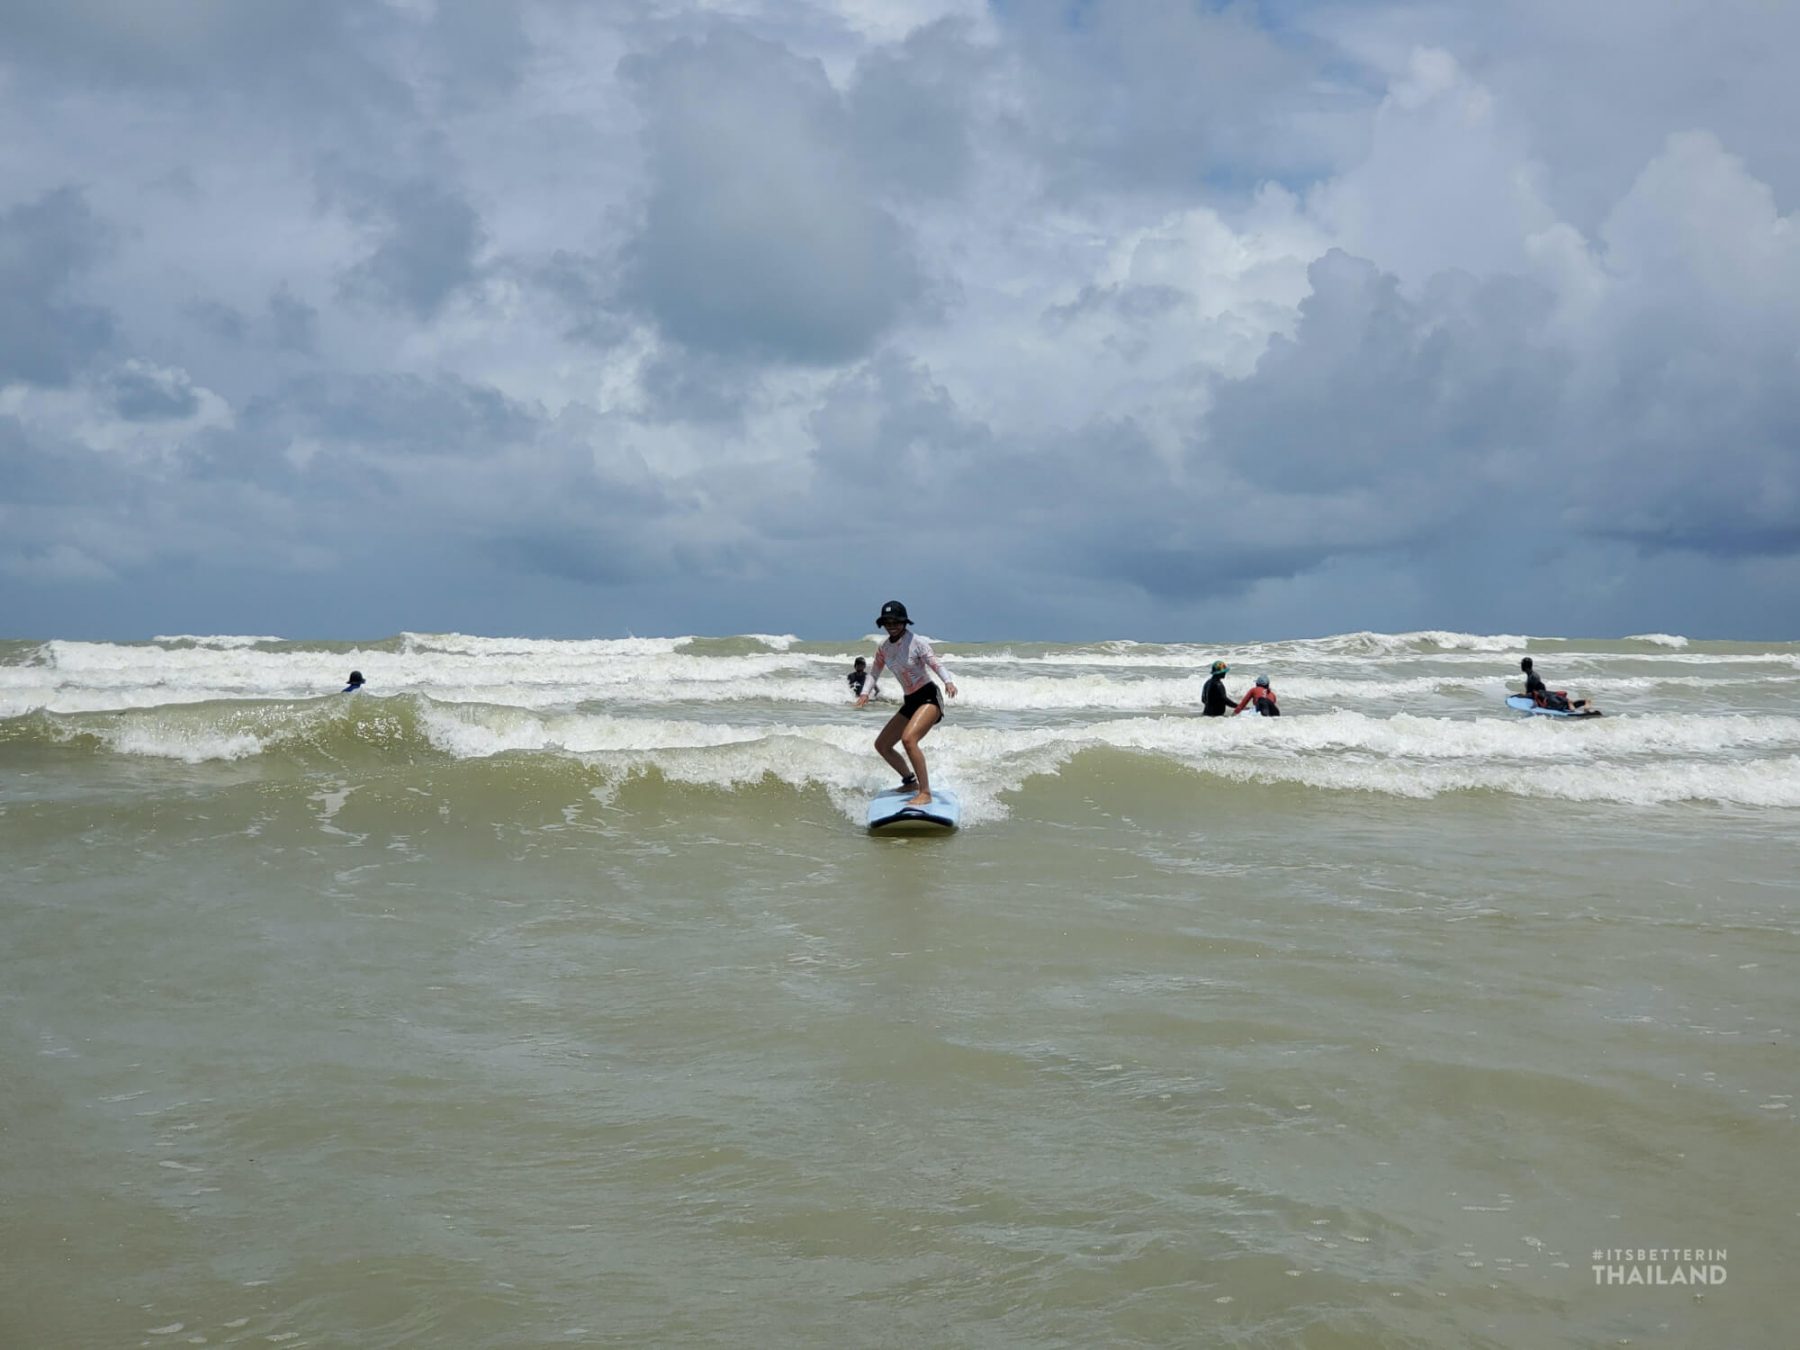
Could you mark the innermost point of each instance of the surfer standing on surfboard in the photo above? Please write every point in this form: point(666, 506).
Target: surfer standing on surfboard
point(911, 659)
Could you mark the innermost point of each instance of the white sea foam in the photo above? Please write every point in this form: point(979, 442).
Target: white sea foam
point(83, 677)
point(1407, 714)
point(1743, 760)
point(1384, 644)
point(462, 644)
point(223, 641)
point(67, 676)
point(1642, 762)
point(190, 744)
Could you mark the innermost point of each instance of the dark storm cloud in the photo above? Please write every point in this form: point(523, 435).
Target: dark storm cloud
point(219, 320)
point(911, 106)
point(1194, 570)
point(1692, 448)
point(1094, 503)
point(144, 396)
point(427, 238)
point(585, 288)
point(293, 324)
point(891, 444)
point(29, 476)
point(1464, 405)
point(337, 56)
point(318, 59)
point(405, 414)
point(760, 238)
point(1375, 385)
point(577, 504)
point(177, 42)
point(287, 325)
point(481, 49)
point(681, 385)
point(583, 557)
point(887, 431)
point(363, 451)
point(46, 246)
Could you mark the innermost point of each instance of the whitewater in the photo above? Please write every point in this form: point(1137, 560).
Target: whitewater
point(1416, 714)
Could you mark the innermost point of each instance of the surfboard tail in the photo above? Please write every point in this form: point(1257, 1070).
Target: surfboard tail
point(891, 813)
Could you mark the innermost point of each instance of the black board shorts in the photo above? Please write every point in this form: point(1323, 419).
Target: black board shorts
point(925, 693)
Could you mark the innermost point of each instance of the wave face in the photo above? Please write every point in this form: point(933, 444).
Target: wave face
point(1409, 715)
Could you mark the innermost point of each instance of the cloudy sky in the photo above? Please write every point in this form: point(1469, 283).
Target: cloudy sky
point(1053, 318)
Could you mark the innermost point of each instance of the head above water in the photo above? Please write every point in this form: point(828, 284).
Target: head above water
point(861, 662)
point(1525, 663)
point(356, 677)
point(1262, 681)
point(892, 612)
point(1219, 668)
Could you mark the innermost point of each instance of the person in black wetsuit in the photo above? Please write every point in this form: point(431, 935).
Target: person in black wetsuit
point(1214, 701)
point(1543, 697)
point(858, 675)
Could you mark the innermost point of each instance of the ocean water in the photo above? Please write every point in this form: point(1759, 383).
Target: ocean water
point(549, 993)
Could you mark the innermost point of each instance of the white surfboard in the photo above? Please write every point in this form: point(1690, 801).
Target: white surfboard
point(890, 814)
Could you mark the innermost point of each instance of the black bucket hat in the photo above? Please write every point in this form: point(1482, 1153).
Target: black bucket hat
point(893, 609)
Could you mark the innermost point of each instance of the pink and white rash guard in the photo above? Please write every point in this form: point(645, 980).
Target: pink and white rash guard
point(907, 656)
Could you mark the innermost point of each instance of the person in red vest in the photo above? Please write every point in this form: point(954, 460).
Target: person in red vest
point(1262, 696)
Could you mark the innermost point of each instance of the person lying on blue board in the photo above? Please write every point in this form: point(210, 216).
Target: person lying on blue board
point(1214, 701)
point(1549, 698)
point(1262, 696)
point(910, 657)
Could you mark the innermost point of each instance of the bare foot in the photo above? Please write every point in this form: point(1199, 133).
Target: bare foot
point(923, 799)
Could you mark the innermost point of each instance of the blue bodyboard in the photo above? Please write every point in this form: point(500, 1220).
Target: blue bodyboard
point(889, 813)
point(1525, 705)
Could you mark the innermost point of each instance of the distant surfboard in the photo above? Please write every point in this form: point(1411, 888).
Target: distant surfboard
point(890, 814)
point(1525, 705)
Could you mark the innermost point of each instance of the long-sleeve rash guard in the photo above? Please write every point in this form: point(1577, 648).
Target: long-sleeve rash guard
point(1257, 695)
point(908, 656)
point(1214, 701)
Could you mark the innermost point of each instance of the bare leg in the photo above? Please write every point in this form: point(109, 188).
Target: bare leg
point(885, 742)
point(922, 721)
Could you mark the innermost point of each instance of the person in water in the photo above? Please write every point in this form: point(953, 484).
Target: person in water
point(858, 673)
point(1214, 701)
point(1549, 698)
point(910, 657)
point(356, 682)
point(1262, 696)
